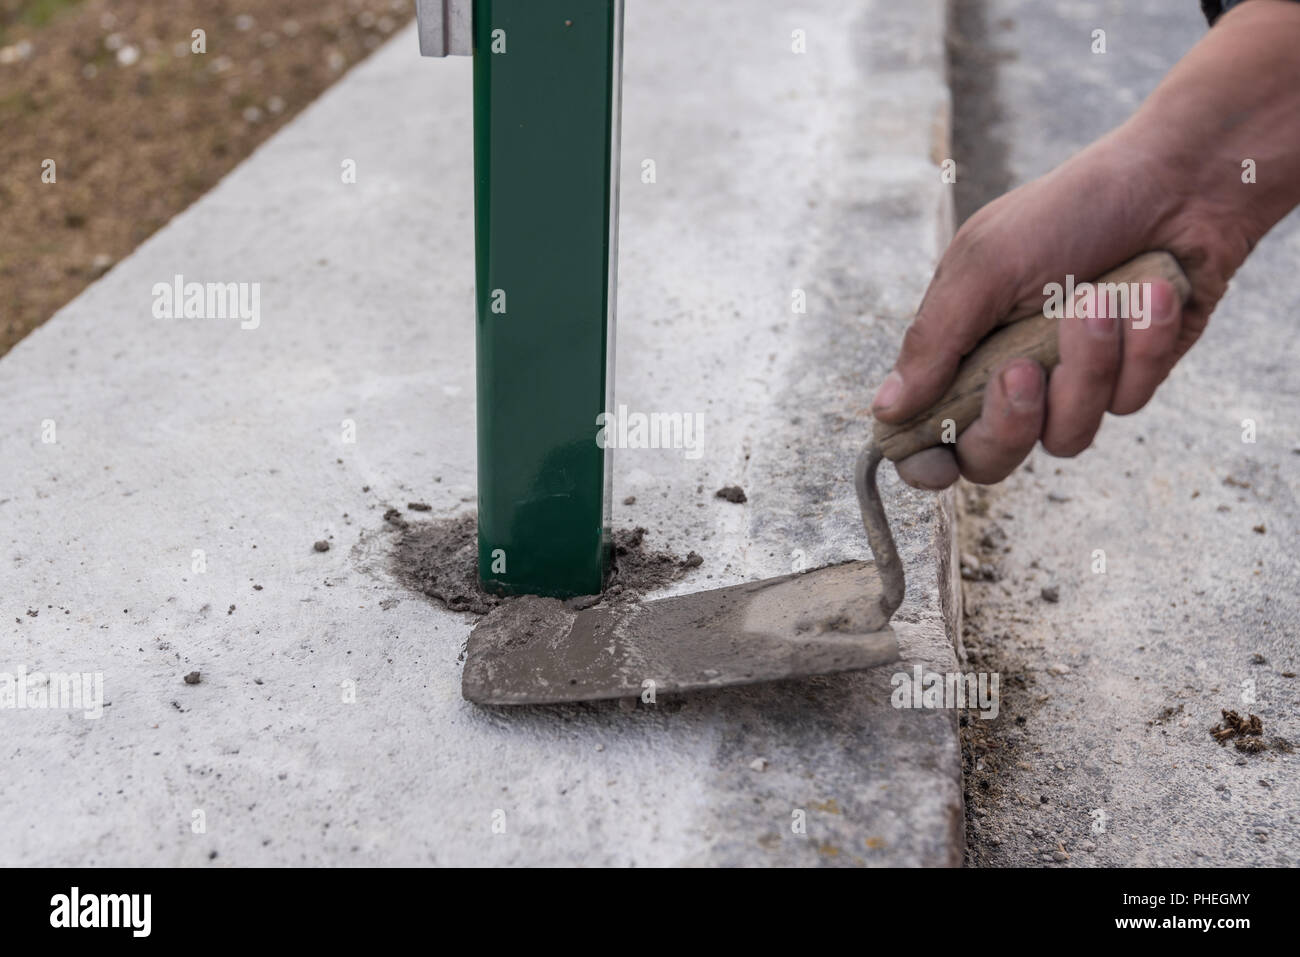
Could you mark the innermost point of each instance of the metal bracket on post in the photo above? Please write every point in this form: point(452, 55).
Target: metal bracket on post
point(446, 27)
point(547, 91)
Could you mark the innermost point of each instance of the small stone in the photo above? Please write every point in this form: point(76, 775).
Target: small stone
point(732, 493)
point(419, 506)
point(22, 50)
point(1058, 669)
point(322, 546)
point(193, 678)
point(693, 560)
point(1060, 856)
point(1051, 593)
point(758, 764)
point(630, 500)
point(1088, 846)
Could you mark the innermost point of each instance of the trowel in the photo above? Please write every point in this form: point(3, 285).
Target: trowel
point(541, 651)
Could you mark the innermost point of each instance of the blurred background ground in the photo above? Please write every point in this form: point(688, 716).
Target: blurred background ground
point(138, 124)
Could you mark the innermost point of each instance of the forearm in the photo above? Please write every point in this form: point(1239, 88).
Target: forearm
point(1235, 97)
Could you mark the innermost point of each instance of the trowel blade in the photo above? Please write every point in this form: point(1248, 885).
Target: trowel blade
point(539, 651)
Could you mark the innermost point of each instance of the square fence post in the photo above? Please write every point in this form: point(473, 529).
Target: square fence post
point(547, 90)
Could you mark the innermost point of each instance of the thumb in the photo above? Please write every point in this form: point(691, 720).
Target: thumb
point(971, 291)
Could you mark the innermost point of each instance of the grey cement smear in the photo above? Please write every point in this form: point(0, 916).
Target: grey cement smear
point(439, 560)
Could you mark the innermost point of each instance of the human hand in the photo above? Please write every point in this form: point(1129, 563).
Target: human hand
point(1169, 179)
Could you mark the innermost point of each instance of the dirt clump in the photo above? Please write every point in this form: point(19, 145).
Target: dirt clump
point(732, 493)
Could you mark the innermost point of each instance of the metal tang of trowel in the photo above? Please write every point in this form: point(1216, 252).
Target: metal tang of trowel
point(540, 651)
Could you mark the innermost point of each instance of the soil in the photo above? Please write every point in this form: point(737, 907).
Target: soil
point(138, 125)
point(439, 559)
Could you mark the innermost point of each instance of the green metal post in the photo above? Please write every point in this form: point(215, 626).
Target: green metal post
point(547, 78)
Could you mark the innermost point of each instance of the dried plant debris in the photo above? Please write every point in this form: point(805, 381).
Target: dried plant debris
point(1247, 734)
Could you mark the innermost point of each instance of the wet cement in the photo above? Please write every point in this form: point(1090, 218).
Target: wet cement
point(439, 559)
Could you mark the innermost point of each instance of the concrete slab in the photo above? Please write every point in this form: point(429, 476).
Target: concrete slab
point(165, 480)
point(1106, 748)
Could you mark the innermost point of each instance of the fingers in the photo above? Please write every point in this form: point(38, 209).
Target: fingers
point(1151, 347)
point(1108, 363)
point(1008, 426)
point(1081, 386)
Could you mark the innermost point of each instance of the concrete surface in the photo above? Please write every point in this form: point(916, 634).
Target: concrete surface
point(775, 172)
point(1104, 754)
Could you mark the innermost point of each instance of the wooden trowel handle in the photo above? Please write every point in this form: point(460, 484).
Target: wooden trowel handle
point(1028, 334)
